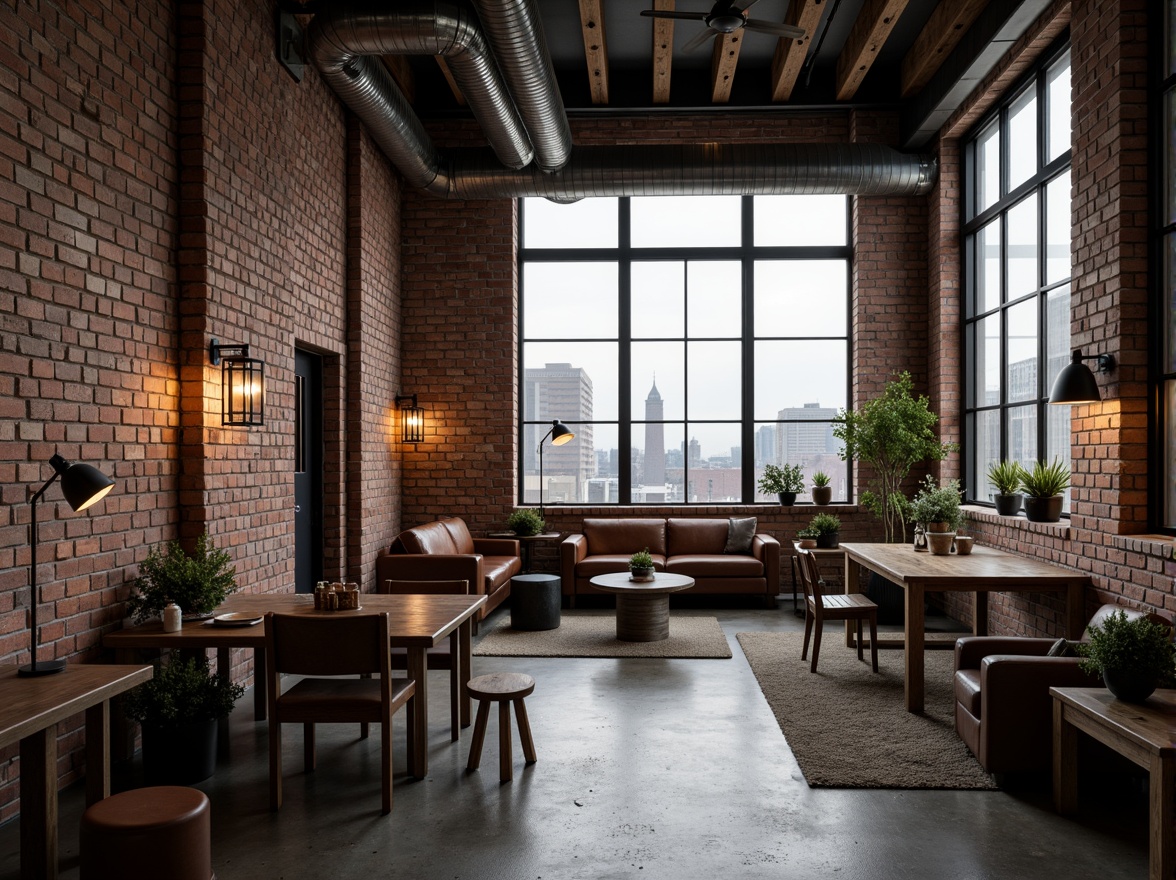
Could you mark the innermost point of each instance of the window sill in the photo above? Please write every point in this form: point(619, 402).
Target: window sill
point(1060, 529)
point(1160, 546)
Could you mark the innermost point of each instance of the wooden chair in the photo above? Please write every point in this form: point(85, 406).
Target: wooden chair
point(330, 646)
point(837, 606)
point(445, 655)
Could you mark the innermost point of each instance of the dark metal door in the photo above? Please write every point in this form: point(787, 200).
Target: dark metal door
point(308, 471)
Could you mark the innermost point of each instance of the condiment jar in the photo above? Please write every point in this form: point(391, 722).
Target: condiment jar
point(173, 618)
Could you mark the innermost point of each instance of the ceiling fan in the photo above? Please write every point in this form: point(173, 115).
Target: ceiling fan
point(726, 17)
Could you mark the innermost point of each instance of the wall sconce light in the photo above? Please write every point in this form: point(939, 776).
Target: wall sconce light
point(242, 384)
point(412, 419)
point(559, 434)
point(1075, 383)
point(82, 485)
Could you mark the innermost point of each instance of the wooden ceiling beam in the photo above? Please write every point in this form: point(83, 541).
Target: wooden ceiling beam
point(401, 72)
point(871, 30)
point(942, 33)
point(663, 52)
point(790, 54)
point(595, 49)
point(457, 95)
point(724, 57)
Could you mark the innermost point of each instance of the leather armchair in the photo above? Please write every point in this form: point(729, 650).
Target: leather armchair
point(1003, 711)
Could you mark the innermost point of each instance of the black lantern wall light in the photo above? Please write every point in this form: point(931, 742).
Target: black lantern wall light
point(412, 419)
point(242, 384)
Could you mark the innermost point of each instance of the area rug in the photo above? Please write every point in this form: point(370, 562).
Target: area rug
point(595, 635)
point(848, 727)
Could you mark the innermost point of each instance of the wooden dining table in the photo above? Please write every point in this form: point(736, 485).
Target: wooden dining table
point(416, 622)
point(984, 570)
point(30, 709)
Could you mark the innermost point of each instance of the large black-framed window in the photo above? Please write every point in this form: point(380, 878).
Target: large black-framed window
point(687, 341)
point(1164, 263)
point(1017, 268)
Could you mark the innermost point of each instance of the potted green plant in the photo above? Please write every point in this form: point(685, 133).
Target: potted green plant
point(179, 709)
point(1043, 486)
point(641, 565)
point(938, 507)
point(828, 529)
point(891, 434)
point(525, 522)
point(197, 582)
point(1134, 657)
point(822, 492)
point(1006, 477)
point(807, 538)
point(784, 481)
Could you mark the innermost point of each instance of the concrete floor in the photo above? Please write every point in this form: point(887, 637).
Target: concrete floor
point(647, 769)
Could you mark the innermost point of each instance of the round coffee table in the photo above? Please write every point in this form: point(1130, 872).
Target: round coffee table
point(643, 609)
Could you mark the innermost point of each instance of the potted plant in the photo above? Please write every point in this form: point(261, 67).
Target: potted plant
point(179, 709)
point(891, 434)
point(807, 538)
point(525, 522)
point(822, 491)
point(784, 481)
point(197, 582)
point(1006, 476)
point(1043, 486)
point(1134, 657)
point(641, 565)
point(938, 507)
point(828, 529)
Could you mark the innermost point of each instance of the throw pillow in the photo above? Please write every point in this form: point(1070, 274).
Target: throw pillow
point(1062, 648)
point(740, 531)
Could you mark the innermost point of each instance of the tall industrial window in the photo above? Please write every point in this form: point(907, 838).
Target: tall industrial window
point(687, 341)
point(1016, 261)
point(1165, 199)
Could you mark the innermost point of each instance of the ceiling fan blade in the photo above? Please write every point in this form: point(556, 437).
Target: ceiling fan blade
point(771, 27)
point(703, 35)
point(668, 13)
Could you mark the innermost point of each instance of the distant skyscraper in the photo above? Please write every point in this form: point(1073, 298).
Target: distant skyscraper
point(765, 446)
point(795, 441)
point(564, 392)
point(655, 443)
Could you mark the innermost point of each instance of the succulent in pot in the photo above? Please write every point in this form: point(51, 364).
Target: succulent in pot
point(1134, 657)
point(807, 538)
point(641, 564)
point(822, 492)
point(828, 529)
point(1006, 477)
point(783, 481)
point(525, 522)
point(1043, 485)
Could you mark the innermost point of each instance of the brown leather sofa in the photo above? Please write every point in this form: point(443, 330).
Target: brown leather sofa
point(682, 545)
point(1003, 711)
point(444, 550)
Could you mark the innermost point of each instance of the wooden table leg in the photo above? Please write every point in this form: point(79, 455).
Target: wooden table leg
point(1162, 861)
point(980, 613)
point(418, 672)
point(122, 731)
point(914, 647)
point(1065, 762)
point(853, 579)
point(38, 805)
point(260, 685)
point(97, 753)
point(455, 686)
point(1075, 610)
point(224, 672)
point(465, 638)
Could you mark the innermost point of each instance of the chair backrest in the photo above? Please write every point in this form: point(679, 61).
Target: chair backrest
point(810, 577)
point(328, 644)
point(389, 585)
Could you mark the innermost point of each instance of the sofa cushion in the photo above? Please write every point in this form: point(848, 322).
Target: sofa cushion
point(695, 536)
point(740, 531)
point(616, 537)
point(497, 570)
point(967, 690)
point(612, 562)
point(715, 565)
point(463, 541)
point(432, 537)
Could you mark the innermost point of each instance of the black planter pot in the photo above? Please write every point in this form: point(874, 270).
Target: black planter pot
point(179, 755)
point(829, 540)
point(1129, 685)
point(822, 494)
point(1008, 505)
point(787, 498)
point(1043, 509)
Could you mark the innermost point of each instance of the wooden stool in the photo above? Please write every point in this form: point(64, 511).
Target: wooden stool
point(147, 833)
point(502, 688)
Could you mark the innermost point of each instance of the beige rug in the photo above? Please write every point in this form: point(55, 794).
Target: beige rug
point(848, 728)
point(595, 635)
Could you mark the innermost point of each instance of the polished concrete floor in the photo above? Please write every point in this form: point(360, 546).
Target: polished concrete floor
point(647, 769)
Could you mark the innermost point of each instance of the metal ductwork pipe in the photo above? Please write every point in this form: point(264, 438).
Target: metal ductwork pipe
point(343, 43)
point(515, 33)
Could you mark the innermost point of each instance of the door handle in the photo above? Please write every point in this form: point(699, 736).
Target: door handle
point(298, 508)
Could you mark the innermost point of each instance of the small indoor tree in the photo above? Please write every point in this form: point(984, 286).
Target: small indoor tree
point(892, 434)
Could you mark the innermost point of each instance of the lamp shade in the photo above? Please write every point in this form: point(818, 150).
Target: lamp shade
point(561, 433)
point(1075, 384)
point(83, 485)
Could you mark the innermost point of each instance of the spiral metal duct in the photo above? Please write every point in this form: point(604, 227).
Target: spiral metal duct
point(343, 41)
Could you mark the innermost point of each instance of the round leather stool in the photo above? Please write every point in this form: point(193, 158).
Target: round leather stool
point(148, 833)
point(502, 688)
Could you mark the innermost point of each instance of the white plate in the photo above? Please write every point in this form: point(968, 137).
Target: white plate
point(237, 618)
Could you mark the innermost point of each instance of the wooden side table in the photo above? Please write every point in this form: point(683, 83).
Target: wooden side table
point(526, 542)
